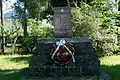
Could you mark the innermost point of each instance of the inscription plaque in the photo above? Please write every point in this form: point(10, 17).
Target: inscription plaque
point(62, 22)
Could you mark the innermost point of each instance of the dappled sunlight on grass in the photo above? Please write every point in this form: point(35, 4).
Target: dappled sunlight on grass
point(12, 67)
point(110, 60)
point(111, 65)
point(14, 61)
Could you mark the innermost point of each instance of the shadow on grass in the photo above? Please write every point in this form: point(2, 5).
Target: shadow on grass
point(12, 74)
point(20, 59)
point(113, 71)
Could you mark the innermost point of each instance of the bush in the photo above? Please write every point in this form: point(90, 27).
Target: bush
point(106, 44)
point(87, 23)
point(29, 44)
point(36, 29)
point(40, 28)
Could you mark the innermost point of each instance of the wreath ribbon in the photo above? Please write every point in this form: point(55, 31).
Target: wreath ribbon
point(62, 43)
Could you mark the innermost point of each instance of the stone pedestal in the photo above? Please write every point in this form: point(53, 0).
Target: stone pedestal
point(87, 63)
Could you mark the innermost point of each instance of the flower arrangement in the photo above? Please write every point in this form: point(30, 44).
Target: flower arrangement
point(62, 53)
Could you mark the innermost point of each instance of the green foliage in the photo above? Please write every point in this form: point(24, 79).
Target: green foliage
point(117, 14)
point(118, 33)
point(29, 44)
point(108, 31)
point(87, 23)
point(11, 30)
point(105, 8)
point(37, 8)
point(36, 29)
point(106, 44)
point(13, 33)
point(40, 28)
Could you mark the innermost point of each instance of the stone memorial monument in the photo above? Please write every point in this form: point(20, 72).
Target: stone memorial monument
point(62, 22)
point(86, 61)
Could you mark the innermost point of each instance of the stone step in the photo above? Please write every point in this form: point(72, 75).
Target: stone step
point(66, 71)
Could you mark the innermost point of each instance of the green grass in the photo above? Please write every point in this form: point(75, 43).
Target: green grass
point(112, 66)
point(12, 67)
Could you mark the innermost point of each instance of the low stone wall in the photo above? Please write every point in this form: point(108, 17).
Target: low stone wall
point(86, 64)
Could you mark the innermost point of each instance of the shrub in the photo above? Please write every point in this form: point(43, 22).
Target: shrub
point(36, 29)
point(29, 44)
point(106, 43)
point(87, 22)
point(40, 28)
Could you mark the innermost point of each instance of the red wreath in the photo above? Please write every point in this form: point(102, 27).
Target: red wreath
point(63, 55)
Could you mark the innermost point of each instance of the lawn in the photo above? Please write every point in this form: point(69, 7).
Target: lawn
point(12, 67)
point(111, 65)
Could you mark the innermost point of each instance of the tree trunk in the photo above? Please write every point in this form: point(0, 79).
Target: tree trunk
point(2, 22)
point(25, 20)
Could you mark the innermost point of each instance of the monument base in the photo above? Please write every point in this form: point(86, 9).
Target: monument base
point(86, 60)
